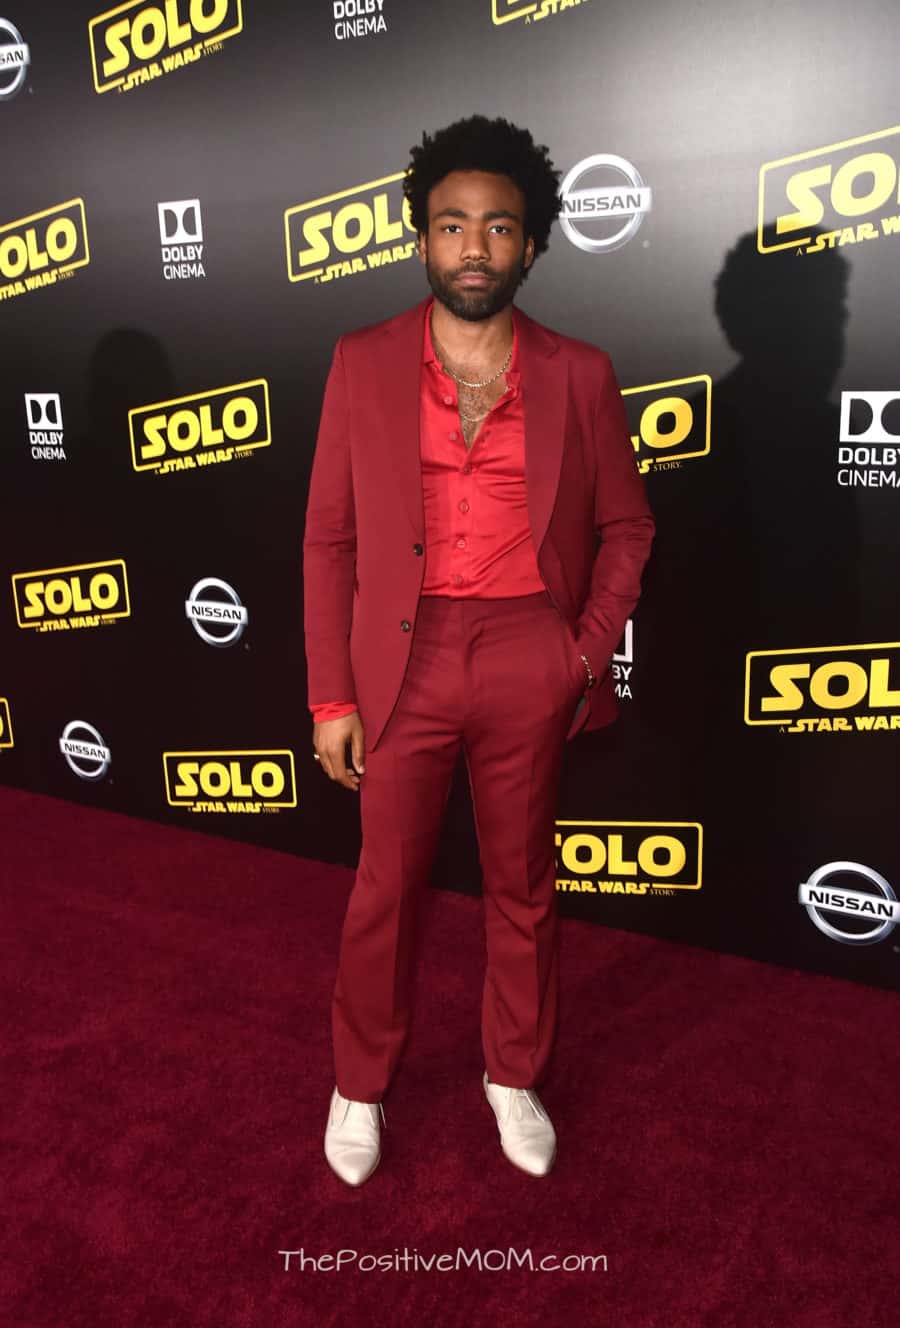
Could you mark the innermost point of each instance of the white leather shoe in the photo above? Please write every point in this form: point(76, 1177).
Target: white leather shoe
point(527, 1136)
point(353, 1138)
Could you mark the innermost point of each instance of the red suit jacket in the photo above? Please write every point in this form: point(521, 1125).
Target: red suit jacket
point(363, 547)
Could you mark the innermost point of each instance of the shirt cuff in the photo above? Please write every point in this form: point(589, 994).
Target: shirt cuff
point(331, 710)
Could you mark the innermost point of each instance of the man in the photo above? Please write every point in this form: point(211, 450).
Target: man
point(466, 462)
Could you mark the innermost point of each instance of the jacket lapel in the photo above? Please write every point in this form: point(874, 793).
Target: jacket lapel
point(544, 377)
point(402, 367)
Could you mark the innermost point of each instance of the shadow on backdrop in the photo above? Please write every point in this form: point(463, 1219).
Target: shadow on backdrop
point(757, 547)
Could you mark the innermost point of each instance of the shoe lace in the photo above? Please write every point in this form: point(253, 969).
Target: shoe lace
point(521, 1099)
point(346, 1103)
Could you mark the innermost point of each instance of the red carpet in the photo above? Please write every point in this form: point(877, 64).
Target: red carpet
point(727, 1129)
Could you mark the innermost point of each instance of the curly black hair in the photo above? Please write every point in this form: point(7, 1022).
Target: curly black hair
point(479, 144)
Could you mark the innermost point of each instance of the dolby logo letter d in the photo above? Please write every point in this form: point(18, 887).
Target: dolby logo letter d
point(179, 222)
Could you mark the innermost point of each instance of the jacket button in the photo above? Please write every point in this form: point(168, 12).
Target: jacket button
point(404, 626)
point(418, 550)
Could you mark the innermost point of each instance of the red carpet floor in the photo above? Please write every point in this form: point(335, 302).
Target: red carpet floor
point(727, 1130)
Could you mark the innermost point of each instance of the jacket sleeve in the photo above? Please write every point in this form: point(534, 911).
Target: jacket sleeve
point(329, 548)
point(326, 710)
point(624, 523)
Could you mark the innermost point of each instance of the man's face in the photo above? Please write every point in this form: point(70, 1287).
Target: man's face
point(475, 250)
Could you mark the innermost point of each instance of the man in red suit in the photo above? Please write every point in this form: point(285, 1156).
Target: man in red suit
point(475, 536)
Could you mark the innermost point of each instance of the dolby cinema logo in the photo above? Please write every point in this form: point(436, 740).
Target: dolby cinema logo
point(623, 663)
point(604, 202)
point(181, 239)
point(43, 411)
point(358, 18)
point(869, 447)
point(850, 903)
point(85, 752)
point(15, 58)
point(215, 612)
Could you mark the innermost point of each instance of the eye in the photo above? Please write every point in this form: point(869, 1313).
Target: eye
point(501, 229)
point(451, 226)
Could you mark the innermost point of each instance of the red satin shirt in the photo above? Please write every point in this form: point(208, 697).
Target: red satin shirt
point(478, 541)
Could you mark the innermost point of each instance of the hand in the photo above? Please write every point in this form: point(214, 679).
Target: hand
point(589, 678)
point(330, 742)
point(581, 672)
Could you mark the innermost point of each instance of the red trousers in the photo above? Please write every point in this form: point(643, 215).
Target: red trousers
point(502, 677)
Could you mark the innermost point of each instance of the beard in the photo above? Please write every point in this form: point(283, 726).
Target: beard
point(474, 305)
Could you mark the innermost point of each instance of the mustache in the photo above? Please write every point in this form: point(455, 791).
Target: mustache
point(474, 269)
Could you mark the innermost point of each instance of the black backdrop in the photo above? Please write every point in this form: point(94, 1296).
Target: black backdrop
point(750, 307)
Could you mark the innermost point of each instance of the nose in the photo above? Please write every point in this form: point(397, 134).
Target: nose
point(474, 244)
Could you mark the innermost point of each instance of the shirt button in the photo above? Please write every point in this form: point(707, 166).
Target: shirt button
point(417, 550)
point(467, 469)
point(460, 543)
point(463, 506)
point(453, 436)
point(448, 401)
point(456, 579)
point(404, 626)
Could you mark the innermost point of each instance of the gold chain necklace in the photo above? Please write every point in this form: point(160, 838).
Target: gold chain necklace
point(462, 382)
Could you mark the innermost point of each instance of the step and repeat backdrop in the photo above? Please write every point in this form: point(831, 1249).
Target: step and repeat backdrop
point(199, 196)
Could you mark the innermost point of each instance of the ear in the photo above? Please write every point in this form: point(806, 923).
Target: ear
point(422, 247)
point(528, 256)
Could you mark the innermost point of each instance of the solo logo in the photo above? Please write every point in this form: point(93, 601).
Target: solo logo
point(825, 689)
point(623, 663)
point(15, 58)
point(629, 857)
point(215, 612)
point(6, 731)
point(60, 598)
point(230, 780)
point(850, 902)
point(604, 201)
point(668, 423)
point(85, 752)
point(181, 239)
point(43, 248)
point(202, 429)
point(850, 189)
point(45, 426)
point(532, 11)
point(329, 238)
point(869, 451)
point(138, 42)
